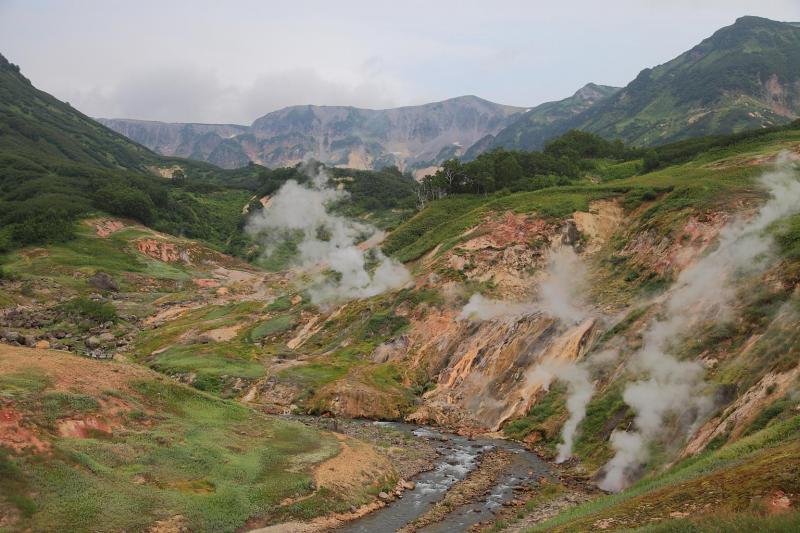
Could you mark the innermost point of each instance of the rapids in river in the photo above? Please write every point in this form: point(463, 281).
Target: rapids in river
point(458, 457)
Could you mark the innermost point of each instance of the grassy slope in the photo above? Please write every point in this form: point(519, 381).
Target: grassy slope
point(695, 185)
point(725, 482)
point(443, 222)
point(170, 450)
point(717, 87)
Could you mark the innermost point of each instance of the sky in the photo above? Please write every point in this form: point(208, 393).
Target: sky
point(234, 61)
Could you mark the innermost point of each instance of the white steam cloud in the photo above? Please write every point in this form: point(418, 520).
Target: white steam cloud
point(479, 308)
point(559, 294)
point(701, 292)
point(580, 387)
point(328, 240)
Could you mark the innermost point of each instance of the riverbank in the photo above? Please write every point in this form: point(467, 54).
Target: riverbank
point(446, 483)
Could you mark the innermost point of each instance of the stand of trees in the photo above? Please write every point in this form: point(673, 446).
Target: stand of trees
point(562, 161)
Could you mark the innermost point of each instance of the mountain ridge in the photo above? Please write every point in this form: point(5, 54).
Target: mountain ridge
point(410, 137)
point(743, 76)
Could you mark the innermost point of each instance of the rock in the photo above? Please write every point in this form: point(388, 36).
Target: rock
point(107, 337)
point(92, 342)
point(384, 496)
point(29, 340)
point(408, 485)
point(11, 336)
point(43, 345)
point(569, 233)
point(104, 282)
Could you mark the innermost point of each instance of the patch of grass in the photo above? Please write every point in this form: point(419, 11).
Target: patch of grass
point(314, 375)
point(211, 364)
point(622, 326)
point(605, 412)
point(550, 405)
point(14, 486)
point(724, 523)
point(770, 413)
point(95, 311)
point(21, 384)
point(214, 462)
point(62, 404)
point(284, 303)
point(384, 324)
point(270, 327)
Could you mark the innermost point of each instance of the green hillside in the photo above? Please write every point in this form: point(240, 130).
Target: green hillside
point(58, 165)
point(744, 76)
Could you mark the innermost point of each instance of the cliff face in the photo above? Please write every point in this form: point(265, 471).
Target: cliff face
point(412, 138)
point(206, 142)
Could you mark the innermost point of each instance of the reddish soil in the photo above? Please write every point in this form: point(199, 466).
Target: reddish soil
point(14, 435)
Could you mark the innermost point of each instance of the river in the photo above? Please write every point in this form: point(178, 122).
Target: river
point(458, 457)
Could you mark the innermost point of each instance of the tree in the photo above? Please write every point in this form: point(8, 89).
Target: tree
point(508, 171)
point(178, 178)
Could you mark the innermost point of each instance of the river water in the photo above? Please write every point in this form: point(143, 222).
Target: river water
point(458, 457)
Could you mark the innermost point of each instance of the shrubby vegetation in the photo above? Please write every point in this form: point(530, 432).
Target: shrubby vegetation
point(87, 309)
point(683, 151)
point(57, 165)
point(563, 161)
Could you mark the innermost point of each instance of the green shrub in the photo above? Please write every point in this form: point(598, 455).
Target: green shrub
point(284, 303)
point(91, 310)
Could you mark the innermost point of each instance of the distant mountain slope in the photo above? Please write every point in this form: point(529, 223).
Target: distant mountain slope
point(204, 142)
point(411, 137)
point(57, 165)
point(37, 126)
point(746, 75)
point(530, 130)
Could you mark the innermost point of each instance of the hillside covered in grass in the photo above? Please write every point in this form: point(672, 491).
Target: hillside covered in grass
point(742, 77)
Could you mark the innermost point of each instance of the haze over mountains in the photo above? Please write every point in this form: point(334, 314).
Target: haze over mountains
point(745, 75)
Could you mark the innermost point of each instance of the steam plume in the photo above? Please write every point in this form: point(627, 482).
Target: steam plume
point(701, 292)
point(479, 308)
point(559, 294)
point(577, 377)
point(328, 240)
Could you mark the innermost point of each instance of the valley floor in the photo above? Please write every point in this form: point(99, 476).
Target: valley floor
point(151, 383)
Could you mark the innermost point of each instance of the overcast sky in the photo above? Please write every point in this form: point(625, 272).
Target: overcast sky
point(233, 61)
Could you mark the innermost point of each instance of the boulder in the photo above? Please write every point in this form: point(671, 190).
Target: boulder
point(29, 340)
point(107, 337)
point(43, 345)
point(569, 233)
point(385, 496)
point(103, 282)
point(92, 342)
point(11, 336)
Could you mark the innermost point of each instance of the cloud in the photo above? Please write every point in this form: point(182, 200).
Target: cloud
point(187, 94)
